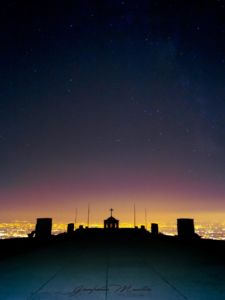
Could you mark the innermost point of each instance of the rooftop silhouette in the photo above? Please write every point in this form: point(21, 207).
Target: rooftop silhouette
point(185, 229)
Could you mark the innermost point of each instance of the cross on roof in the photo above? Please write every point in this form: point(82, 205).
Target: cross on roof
point(111, 209)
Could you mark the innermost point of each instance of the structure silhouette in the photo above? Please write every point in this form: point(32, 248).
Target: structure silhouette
point(111, 222)
point(186, 228)
point(70, 228)
point(154, 229)
point(43, 229)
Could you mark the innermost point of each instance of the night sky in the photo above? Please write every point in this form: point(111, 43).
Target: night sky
point(111, 103)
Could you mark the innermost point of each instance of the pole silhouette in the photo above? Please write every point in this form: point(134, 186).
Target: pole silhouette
point(134, 215)
point(88, 217)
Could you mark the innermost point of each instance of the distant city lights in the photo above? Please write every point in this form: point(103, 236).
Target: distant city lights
point(21, 229)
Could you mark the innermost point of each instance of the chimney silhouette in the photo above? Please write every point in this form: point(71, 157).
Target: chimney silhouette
point(43, 228)
point(185, 228)
point(154, 229)
point(70, 228)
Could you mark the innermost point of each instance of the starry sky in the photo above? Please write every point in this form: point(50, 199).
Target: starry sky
point(112, 103)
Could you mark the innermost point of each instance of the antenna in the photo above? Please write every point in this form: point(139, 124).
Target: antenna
point(75, 220)
point(134, 215)
point(88, 219)
point(146, 219)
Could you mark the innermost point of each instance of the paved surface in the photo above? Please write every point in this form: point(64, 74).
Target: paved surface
point(110, 272)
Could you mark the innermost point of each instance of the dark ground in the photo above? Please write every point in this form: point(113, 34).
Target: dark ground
point(98, 266)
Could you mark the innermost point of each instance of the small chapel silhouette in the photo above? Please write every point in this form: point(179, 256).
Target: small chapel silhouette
point(111, 222)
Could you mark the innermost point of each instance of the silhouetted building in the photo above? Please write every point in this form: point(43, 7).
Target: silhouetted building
point(70, 228)
point(43, 228)
point(154, 229)
point(185, 228)
point(111, 222)
point(142, 227)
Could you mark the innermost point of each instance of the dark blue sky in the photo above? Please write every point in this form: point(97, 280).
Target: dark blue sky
point(112, 98)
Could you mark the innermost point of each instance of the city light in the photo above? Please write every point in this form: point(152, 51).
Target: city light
point(18, 229)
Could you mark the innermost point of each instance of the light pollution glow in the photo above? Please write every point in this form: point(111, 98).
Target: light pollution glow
point(165, 198)
point(21, 229)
